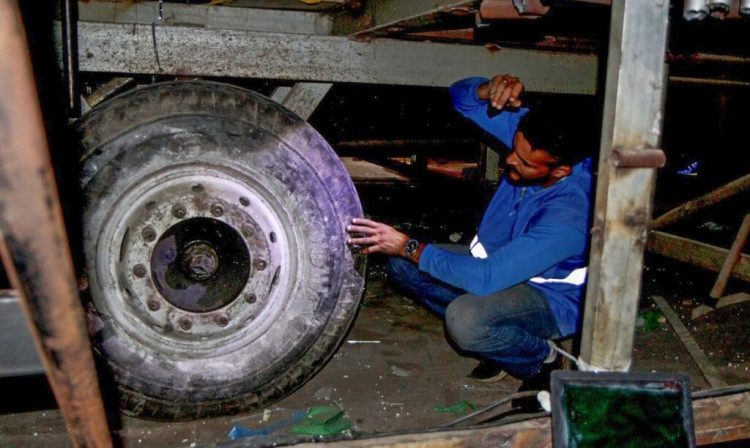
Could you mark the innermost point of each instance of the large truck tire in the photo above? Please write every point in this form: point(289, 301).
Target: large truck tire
point(215, 246)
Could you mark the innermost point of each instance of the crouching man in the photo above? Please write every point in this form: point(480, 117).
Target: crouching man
point(518, 286)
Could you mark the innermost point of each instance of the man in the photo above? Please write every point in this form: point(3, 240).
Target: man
point(517, 286)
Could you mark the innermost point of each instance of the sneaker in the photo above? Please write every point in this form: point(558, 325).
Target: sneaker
point(487, 372)
point(539, 382)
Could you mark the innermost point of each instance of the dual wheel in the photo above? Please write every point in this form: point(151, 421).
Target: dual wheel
point(215, 245)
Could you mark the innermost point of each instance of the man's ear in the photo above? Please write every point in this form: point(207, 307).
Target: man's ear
point(561, 171)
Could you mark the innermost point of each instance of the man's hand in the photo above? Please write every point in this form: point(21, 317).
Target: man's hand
point(502, 91)
point(377, 237)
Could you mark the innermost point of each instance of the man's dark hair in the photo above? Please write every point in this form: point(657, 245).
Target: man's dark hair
point(567, 135)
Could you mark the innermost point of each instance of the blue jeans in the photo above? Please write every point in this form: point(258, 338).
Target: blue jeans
point(510, 327)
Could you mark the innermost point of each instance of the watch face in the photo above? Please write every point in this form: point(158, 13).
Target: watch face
point(412, 245)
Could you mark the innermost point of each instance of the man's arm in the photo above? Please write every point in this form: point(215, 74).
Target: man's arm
point(521, 259)
point(472, 97)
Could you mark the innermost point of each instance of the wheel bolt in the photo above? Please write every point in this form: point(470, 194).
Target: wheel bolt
point(222, 321)
point(139, 270)
point(248, 231)
point(259, 264)
point(178, 211)
point(153, 305)
point(148, 234)
point(217, 210)
point(168, 328)
point(250, 298)
point(185, 323)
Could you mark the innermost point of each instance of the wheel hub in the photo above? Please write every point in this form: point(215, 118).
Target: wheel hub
point(200, 259)
point(200, 264)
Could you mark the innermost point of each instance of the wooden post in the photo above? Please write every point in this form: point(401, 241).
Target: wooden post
point(632, 121)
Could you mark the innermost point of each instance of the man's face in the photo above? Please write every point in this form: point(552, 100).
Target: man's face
point(528, 166)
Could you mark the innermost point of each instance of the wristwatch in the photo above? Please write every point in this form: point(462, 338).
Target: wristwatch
point(411, 247)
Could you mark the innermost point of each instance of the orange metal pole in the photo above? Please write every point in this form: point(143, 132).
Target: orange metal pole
point(35, 248)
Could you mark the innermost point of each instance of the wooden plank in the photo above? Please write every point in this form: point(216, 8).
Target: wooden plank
point(696, 253)
point(722, 419)
point(713, 197)
point(709, 371)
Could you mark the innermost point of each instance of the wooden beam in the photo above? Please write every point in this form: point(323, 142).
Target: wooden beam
point(720, 194)
point(302, 98)
point(205, 16)
point(735, 253)
point(633, 111)
point(696, 253)
point(381, 15)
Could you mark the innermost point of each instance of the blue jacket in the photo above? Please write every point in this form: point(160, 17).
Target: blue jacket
point(529, 234)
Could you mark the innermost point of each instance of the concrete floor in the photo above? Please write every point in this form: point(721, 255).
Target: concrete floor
point(394, 367)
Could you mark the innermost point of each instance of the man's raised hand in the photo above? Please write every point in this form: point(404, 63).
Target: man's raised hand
point(504, 90)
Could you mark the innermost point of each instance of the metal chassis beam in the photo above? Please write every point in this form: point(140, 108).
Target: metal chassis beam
point(632, 121)
point(188, 51)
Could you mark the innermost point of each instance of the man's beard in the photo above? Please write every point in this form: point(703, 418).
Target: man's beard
point(520, 181)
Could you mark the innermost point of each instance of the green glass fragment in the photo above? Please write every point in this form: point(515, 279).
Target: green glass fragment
point(456, 409)
point(323, 421)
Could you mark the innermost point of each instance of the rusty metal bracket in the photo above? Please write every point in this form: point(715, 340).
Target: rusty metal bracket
point(638, 158)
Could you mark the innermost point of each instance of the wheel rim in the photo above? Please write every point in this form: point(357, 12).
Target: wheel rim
point(203, 260)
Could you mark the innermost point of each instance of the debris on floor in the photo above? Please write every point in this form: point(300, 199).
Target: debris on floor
point(323, 421)
point(239, 431)
point(456, 409)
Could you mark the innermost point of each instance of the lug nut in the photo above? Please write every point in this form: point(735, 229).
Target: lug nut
point(168, 328)
point(259, 264)
point(185, 323)
point(217, 210)
point(139, 270)
point(178, 211)
point(153, 305)
point(248, 231)
point(250, 298)
point(222, 321)
point(148, 234)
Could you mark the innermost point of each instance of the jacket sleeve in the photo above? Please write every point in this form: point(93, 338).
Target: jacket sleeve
point(544, 245)
point(467, 103)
